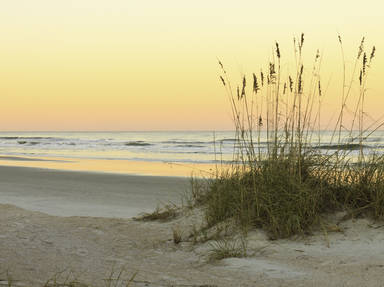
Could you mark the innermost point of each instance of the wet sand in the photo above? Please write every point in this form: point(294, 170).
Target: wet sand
point(152, 168)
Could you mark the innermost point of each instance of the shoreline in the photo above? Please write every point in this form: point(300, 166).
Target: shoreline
point(129, 167)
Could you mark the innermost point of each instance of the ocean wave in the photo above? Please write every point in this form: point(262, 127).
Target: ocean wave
point(184, 142)
point(189, 145)
point(28, 142)
point(29, 138)
point(227, 140)
point(341, 146)
point(202, 152)
point(137, 143)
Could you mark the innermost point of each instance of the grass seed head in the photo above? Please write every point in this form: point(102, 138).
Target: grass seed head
point(272, 73)
point(301, 42)
point(221, 64)
point(361, 77)
point(255, 84)
point(262, 78)
point(277, 50)
point(361, 48)
point(300, 83)
point(243, 88)
point(290, 83)
point(372, 54)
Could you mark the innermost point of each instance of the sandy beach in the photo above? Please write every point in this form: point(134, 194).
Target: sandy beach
point(72, 193)
point(191, 143)
point(56, 224)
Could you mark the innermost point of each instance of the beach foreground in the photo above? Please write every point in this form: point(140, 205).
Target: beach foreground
point(35, 246)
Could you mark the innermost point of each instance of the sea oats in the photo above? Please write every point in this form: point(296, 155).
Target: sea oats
point(372, 54)
point(277, 50)
point(301, 42)
point(272, 73)
point(260, 121)
point(300, 83)
point(361, 48)
point(262, 78)
point(361, 77)
point(290, 84)
point(255, 84)
point(243, 88)
point(339, 37)
point(221, 65)
point(287, 179)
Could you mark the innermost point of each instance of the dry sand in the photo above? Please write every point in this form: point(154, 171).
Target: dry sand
point(35, 246)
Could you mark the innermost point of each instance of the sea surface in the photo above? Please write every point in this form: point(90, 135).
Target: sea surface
point(158, 146)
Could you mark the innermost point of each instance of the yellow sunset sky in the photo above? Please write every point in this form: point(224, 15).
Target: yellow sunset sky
point(152, 64)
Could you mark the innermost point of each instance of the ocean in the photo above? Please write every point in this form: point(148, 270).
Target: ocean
point(157, 146)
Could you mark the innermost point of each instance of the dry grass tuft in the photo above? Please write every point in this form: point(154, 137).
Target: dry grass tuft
point(177, 235)
point(166, 213)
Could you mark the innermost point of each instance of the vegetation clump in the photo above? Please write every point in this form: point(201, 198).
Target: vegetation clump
point(283, 177)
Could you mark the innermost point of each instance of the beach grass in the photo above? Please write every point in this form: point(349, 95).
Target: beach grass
point(286, 188)
point(165, 213)
point(224, 248)
point(66, 278)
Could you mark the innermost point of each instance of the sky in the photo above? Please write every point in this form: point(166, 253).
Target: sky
point(152, 65)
